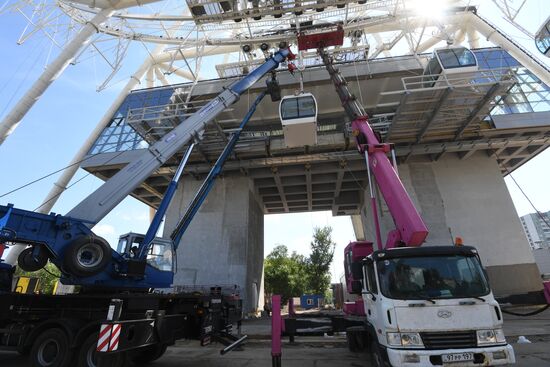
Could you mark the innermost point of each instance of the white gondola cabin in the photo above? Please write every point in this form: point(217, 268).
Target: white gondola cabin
point(542, 38)
point(450, 60)
point(299, 119)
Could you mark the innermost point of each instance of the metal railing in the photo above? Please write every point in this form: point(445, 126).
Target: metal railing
point(466, 79)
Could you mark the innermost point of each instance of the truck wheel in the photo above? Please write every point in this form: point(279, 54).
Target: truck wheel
point(351, 338)
point(26, 261)
point(87, 355)
point(51, 349)
point(376, 356)
point(149, 354)
point(87, 256)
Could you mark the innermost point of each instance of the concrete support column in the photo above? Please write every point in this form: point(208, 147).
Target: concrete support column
point(224, 243)
point(468, 198)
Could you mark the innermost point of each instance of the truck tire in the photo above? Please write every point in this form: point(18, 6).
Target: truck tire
point(26, 261)
point(87, 355)
point(51, 349)
point(376, 356)
point(357, 339)
point(351, 339)
point(149, 354)
point(87, 256)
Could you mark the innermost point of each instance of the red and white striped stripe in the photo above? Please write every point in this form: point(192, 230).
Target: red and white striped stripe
point(109, 336)
point(104, 335)
point(115, 336)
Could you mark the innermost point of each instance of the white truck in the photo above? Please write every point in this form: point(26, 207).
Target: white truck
point(431, 306)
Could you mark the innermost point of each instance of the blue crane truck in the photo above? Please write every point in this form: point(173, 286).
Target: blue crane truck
point(122, 291)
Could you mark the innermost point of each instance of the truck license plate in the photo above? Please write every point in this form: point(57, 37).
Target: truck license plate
point(457, 357)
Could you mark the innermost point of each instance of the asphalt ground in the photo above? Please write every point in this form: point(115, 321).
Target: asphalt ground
point(323, 351)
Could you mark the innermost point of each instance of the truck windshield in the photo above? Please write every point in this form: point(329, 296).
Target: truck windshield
point(432, 277)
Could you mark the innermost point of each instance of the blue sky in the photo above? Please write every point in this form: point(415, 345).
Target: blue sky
point(61, 120)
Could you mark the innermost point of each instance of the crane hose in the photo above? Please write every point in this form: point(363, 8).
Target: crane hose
point(536, 312)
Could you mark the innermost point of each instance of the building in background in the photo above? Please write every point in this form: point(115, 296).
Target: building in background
point(310, 301)
point(537, 229)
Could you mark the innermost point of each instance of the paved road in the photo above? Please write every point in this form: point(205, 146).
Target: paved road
point(317, 354)
point(324, 352)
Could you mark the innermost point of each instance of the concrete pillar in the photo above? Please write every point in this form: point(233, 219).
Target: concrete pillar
point(468, 198)
point(224, 243)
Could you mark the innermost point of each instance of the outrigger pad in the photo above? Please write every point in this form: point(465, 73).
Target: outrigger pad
point(321, 40)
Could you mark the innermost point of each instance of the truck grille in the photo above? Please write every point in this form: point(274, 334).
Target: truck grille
point(449, 340)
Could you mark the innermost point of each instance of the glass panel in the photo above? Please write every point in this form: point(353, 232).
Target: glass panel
point(432, 277)
point(542, 39)
point(121, 247)
point(448, 59)
point(160, 256)
point(306, 107)
point(371, 279)
point(289, 109)
point(465, 57)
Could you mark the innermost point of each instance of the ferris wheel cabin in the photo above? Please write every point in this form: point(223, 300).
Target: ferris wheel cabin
point(298, 115)
point(542, 38)
point(446, 61)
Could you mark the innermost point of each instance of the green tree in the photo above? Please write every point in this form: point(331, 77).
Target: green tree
point(318, 264)
point(48, 275)
point(285, 274)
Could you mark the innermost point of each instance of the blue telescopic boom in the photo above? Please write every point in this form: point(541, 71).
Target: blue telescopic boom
point(163, 207)
point(194, 206)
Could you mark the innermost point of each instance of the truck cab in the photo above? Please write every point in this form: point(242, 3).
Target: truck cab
point(430, 306)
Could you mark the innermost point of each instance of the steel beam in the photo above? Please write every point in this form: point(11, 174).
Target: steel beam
point(488, 96)
point(436, 110)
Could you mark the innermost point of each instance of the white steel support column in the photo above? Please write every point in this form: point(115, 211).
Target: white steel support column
point(68, 174)
point(53, 70)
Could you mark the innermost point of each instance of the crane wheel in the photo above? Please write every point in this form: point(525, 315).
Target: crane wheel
point(51, 349)
point(87, 256)
point(27, 262)
point(87, 356)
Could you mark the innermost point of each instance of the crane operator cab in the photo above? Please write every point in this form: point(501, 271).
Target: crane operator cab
point(449, 63)
point(160, 254)
point(298, 115)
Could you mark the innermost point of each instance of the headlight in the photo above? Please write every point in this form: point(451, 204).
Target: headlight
point(485, 337)
point(500, 336)
point(406, 340)
point(394, 339)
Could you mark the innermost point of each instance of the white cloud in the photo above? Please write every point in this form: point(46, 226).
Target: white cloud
point(104, 230)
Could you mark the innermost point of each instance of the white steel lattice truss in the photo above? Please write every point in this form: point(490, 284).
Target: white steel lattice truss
point(178, 35)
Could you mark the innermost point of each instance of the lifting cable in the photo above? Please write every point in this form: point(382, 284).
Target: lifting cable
point(57, 171)
point(545, 220)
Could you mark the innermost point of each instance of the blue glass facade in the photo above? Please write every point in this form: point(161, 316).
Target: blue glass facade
point(119, 136)
point(529, 94)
